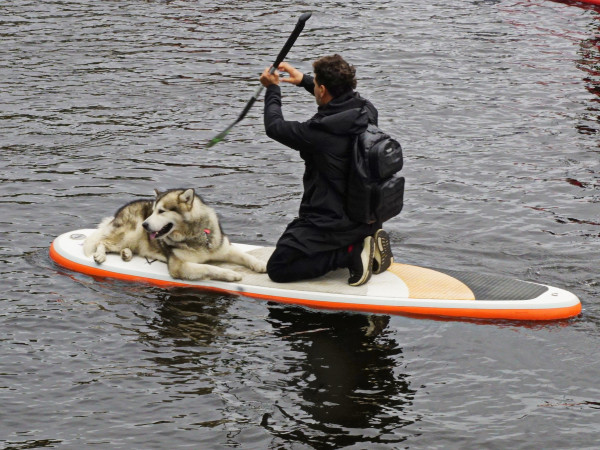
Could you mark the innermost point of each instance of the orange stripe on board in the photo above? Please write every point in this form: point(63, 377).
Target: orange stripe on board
point(97, 272)
point(472, 313)
point(428, 283)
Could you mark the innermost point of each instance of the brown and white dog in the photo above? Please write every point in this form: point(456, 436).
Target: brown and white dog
point(178, 228)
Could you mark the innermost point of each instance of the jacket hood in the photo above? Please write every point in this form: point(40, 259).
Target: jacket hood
point(345, 114)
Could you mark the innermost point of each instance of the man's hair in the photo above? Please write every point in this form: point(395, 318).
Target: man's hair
point(336, 74)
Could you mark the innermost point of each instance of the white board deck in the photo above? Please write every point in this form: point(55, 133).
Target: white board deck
point(404, 289)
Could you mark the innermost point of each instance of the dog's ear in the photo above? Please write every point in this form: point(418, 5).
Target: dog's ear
point(188, 197)
point(156, 193)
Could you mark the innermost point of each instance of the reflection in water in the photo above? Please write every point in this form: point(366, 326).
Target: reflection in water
point(340, 381)
point(347, 377)
point(182, 338)
point(190, 318)
point(589, 62)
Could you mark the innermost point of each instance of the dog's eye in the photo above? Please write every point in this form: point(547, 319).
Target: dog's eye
point(160, 211)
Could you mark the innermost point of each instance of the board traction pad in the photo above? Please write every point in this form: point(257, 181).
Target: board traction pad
point(488, 287)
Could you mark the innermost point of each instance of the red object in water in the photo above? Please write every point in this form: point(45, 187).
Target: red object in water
point(591, 2)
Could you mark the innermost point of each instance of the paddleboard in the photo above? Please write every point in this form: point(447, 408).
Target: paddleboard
point(404, 289)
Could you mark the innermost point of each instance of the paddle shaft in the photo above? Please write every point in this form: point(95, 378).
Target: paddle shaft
point(282, 54)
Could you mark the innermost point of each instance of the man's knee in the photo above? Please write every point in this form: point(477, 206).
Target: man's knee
point(276, 272)
point(278, 265)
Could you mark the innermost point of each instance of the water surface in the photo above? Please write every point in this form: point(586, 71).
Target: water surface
point(497, 106)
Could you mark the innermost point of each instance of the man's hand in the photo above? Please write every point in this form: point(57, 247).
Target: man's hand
point(295, 76)
point(267, 78)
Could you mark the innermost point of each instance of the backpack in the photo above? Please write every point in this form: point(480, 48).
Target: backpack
point(375, 191)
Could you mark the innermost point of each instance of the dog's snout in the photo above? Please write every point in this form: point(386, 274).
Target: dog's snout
point(145, 225)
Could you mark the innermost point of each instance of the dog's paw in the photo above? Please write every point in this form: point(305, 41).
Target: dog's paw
point(235, 277)
point(99, 257)
point(229, 275)
point(126, 254)
point(260, 267)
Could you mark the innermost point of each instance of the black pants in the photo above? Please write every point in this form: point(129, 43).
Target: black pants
point(289, 264)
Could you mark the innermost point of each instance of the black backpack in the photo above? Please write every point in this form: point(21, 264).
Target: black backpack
point(375, 190)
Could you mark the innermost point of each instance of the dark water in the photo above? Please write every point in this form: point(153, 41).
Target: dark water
point(497, 104)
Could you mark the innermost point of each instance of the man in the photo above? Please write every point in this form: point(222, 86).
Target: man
point(323, 237)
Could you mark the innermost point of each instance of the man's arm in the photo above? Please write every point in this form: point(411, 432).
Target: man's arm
point(298, 78)
point(308, 83)
point(290, 133)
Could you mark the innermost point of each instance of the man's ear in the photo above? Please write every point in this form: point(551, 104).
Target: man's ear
point(323, 90)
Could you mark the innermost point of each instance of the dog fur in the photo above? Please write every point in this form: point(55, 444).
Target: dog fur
point(178, 228)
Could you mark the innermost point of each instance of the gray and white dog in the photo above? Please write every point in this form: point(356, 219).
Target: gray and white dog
point(178, 228)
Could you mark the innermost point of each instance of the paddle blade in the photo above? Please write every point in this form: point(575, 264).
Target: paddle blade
point(214, 141)
point(218, 138)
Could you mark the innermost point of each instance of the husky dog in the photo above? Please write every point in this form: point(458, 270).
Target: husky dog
point(178, 228)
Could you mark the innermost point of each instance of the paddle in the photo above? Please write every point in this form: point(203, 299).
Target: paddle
point(282, 54)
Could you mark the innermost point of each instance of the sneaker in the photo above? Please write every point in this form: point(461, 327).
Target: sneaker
point(383, 258)
point(362, 263)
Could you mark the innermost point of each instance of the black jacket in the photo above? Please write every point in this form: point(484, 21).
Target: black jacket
point(324, 144)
